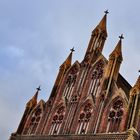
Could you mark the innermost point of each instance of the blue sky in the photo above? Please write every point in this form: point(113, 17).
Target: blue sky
point(35, 38)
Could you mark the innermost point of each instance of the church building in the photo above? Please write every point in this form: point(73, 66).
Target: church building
point(90, 100)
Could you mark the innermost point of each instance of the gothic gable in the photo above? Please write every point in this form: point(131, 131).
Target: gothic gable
point(70, 80)
point(34, 119)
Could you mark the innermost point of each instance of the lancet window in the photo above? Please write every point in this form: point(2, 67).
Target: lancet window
point(96, 78)
point(35, 119)
point(71, 113)
point(84, 118)
point(115, 117)
point(57, 121)
point(70, 82)
point(82, 79)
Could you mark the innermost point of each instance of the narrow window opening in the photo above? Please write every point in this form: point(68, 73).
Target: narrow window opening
point(115, 117)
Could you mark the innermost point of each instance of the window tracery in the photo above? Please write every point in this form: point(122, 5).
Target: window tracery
point(115, 116)
point(71, 112)
point(35, 119)
point(96, 78)
point(57, 121)
point(84, 118)
point(70, 82)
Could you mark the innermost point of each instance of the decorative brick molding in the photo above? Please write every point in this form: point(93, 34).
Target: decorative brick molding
point(101, 136)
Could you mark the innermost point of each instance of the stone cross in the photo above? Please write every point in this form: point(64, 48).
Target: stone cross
point(106, 12)
point(72, 50)
point(38, 89)
point(121, 36)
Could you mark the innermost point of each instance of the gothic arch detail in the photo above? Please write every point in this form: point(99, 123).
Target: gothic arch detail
point(115, 116)
point(70, 113)
point(96, 76)
point(33, 121)
point(57, 121)
point(84, 119)
point(70, 82)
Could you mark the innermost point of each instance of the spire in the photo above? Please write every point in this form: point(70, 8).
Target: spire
point(68, 61)
point(102, 23)
point(33, 100)
point(117, 52)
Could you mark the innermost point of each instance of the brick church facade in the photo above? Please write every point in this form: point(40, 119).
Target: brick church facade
point(90, 100)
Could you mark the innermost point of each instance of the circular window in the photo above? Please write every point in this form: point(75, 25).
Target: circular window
point(119, 113)
point(88, 115)
point(55, 117)
point(82, 115)
point(112, 114)
point(61, 117)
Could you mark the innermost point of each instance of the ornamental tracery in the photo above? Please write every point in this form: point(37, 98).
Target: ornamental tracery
point(57, 121)
point(70, 82)
point(115, 116)
point(84, 118)
point(74, 99)
point(35, 119)
point(72, 106)
point(96, 78)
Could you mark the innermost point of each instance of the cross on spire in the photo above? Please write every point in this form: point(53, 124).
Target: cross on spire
point(72, 50)
point(38, 89)
point(121, 37)
point(106, 12)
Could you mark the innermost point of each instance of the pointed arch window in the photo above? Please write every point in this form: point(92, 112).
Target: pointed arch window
point(35, 119)
point(57, 121)
point(115, 117)
point(96, 79)
point(84, 118)
point(71, 113)
point(70, 82)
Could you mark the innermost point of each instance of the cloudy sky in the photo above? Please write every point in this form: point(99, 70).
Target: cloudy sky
point(35, 38)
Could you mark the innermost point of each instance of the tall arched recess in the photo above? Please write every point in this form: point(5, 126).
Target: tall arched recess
point(114, 116)
point(70, 80)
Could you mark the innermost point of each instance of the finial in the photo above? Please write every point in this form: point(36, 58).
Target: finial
point(38, 89)
point(72, 50)
point(121, 37)
point(106, 12)
point(139, 71)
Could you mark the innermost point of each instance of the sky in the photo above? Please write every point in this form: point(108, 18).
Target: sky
point(36, 37)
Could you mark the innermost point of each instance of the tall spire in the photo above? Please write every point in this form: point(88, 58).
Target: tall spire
point(117, 52)
point(68, 61)
point(33, 100)
point(102, 24)
point(115, 59)
point(98, 37)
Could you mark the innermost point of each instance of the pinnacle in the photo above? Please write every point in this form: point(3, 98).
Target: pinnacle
point(68, 61)
point(33, 101)
point(117, 52)
point(102, 24)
